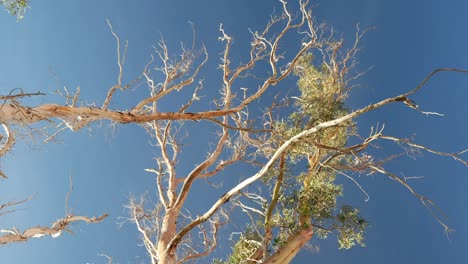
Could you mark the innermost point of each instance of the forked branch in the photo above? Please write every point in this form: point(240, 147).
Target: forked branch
point(295, 139)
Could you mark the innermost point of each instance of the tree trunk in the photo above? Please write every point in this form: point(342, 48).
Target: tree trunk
point(168, 231)
point(293, 245)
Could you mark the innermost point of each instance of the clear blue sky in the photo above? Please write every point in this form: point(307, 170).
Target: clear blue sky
point(68, 43)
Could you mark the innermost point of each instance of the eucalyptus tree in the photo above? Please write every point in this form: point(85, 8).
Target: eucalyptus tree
point(304, 139)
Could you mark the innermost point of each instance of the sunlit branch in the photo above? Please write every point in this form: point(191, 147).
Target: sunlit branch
point(159, 173)
point(120, 62)
point(292, 246)
point(162, 137)
point(137, 211)
point(167, 87)
point(281, 149)
point(14, 235)
point(109, 259)
point(455, 156)
point(10, 204)
point(10, 141)
point(349, 177)
point(262, 251)
point(210, 244)
point(195, 173)
point(12, 96)
point(428, 203)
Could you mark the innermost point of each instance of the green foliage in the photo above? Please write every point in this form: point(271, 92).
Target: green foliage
point(16, 7)
point(318, 196)
point(321, 99)
point(318, 201)
point(309, 191)
point(315, 198)
point(351, 227)
point(322, 94)
point(247, 244)
point(313, 194)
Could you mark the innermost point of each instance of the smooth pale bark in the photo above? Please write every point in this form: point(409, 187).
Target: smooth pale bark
point(168, 230)
point(293, 245)
point(280, 150)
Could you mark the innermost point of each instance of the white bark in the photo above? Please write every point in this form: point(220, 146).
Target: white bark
point(168, 230)
point(293, 245)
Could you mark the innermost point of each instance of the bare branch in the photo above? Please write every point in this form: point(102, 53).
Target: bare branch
point(10, 204)
point(279, 151)
point(455, 156)
point(14, 236)
point(10, 141)
point(120, 62)
point(109, 259)
point(12, 96)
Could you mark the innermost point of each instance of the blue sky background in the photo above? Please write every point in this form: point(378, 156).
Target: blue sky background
point(68, 43)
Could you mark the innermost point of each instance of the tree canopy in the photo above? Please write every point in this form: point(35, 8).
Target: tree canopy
point(281, 135)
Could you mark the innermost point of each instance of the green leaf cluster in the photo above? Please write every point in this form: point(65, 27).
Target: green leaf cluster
point(309, 192)
point(16, 7)
point(245, 246)
point(351, 227)
point(313, 194)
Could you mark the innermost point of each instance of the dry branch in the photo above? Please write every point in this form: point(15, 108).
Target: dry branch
point(295, 139)
point(167, 231)
point(55, 230)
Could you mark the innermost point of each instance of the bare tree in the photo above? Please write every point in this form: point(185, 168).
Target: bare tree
point(298, 145)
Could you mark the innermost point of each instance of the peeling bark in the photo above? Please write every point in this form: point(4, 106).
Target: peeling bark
point(78, 117)
point(15, 236)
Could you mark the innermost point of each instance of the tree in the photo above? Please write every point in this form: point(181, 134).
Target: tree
point(16, 8)
point(296, 161)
